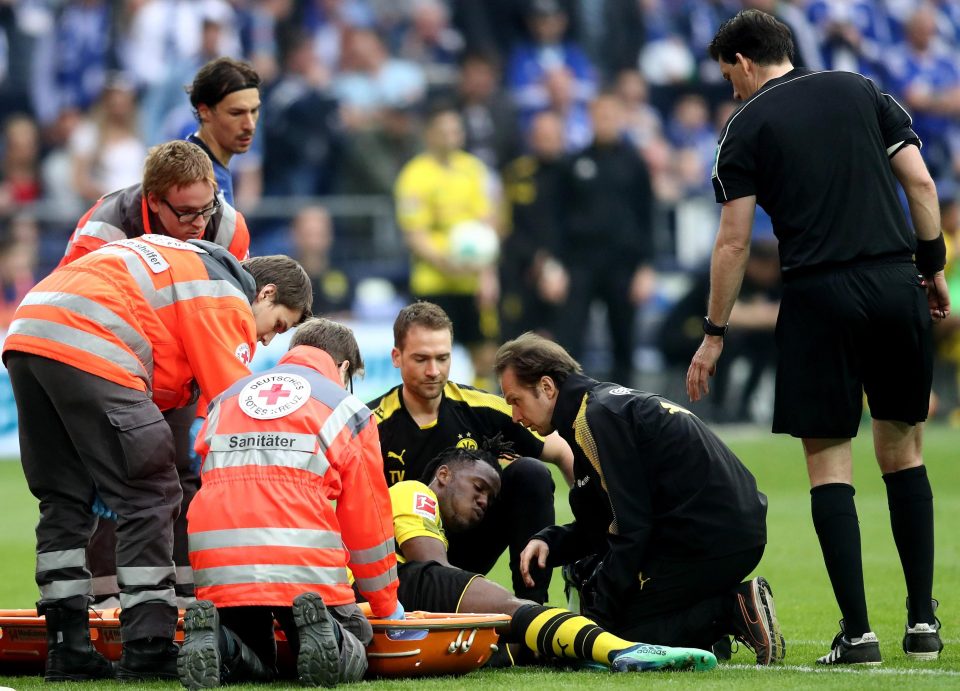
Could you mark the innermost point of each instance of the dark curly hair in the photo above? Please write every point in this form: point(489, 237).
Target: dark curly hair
point(490, 451)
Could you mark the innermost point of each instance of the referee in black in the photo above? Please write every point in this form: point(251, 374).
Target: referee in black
point(822, 153)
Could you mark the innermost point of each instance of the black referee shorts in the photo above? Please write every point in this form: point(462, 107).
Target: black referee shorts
point(850, 331)
point(431, 586)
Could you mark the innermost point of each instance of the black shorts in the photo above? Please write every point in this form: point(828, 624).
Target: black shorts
point(850, 331)
point(470, 327)
point(431, 586)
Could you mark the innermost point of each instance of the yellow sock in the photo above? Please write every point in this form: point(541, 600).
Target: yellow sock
point(555, 632)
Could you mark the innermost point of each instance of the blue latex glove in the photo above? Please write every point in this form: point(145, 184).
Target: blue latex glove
point(195, 460)
point(101, 509)
point(404, 634)
point(398, 614)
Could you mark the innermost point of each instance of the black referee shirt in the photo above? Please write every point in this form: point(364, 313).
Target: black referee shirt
point(467, 416)
point(813, 148)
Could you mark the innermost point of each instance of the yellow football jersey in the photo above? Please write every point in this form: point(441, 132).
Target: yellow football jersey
point(435, 197)
point(416, 513)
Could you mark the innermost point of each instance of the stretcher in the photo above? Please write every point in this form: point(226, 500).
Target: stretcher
point(423, 644)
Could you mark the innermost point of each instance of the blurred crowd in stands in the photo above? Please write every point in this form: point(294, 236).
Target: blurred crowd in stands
point(86, 86)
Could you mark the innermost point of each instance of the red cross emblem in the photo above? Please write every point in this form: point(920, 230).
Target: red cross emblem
point(273, 394)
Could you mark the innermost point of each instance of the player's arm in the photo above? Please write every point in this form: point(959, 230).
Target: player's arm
point(414, 218)
point(921, 192)
point(727, 265)
point(424, 549)
point(557, 451)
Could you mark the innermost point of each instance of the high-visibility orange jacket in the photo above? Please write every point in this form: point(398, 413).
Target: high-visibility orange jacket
point(125, 214)
point(149, 313)
point(279, 448)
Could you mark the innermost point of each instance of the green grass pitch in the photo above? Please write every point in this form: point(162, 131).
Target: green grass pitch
point(792, 564)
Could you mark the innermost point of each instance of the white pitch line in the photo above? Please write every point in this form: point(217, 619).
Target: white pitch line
point(797, 641)
point(837, 669)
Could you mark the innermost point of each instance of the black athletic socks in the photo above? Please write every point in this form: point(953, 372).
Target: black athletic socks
point(911, 517)
point(835, 520)
point(554, 632)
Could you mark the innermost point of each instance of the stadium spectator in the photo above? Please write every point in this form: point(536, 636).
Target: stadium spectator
point(96, 351)
point(926, 77)
point(371, 79)
point(612, 34)
point(312, 236)
point(667, 520)
point(689, 128)
point(547, 52)
point(225, 96)
point(372, 158)
point(105, 149)
point(431, 42)
point(306, 505)
point(20, 181)
point(428, 413)
point(72, 57)
point(642, 122)
point(438, 189)
point(18, 263)
point(561, 99)
point(853, 34)
point(456, 490)
point(489, 118)
point(533, 283)
point(301, 125)
point(822, 154)
point(607, 236)
point(805, 40)
point(16, 61)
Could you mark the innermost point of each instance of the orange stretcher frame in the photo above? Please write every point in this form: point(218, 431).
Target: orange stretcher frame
point(423, 644)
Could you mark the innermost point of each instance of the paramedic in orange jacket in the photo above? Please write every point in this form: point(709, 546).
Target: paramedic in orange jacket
point(95, 352)
point(280, 449)
point(178, 197)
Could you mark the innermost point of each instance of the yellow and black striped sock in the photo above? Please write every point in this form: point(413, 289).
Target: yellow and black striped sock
point(555, 632)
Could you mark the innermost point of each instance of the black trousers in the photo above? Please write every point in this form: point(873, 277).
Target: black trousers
point(101, 552)
point(81, 434)
point(606, 280)
point(681, 602)
point(524, 507)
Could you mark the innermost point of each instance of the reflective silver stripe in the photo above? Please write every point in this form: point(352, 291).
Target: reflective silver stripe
point(68, 335)
point(101, 229)
point(265, 537)
point(371, 585)
point(269, 573)
point(164, 595)
point(345, 410)
point(311, 463)
point(104, 585)
point(60, 590)
point(138, 272)
point(144, 575)
point(94, 311)
point(372, 554)
point(184, 574)
point(62, 559)
point(201, 288)
point(228, 223)
point(273, 441)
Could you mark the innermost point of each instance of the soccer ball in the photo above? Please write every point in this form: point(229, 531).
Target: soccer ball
point(474, 243)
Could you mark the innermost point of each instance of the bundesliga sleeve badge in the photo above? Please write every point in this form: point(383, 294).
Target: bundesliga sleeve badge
point(425, 506)
point(270, 396)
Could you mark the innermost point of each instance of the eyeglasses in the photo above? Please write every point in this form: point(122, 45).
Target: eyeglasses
point(191, 216)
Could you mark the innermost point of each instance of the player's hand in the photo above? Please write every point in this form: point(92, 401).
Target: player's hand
point(195, 460)
point(703, 366)
point(100, 509)
point(938, 296)
point(535, 550)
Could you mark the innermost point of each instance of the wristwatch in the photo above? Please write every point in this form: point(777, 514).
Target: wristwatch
point(712, 329)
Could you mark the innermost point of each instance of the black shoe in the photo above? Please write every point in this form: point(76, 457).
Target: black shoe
point(148, 658)
point(64, 664)
point(198, 664)
point(755, 621)
point(864, 650)
point(318, 663)
point(723, 649)
point(922, 640)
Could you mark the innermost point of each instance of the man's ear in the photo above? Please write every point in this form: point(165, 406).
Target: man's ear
point(203, 110)
point(442, 475)
point(153, 201)
point(745, 62)
point(395, 357)
point(268, 293)
point(549, 387)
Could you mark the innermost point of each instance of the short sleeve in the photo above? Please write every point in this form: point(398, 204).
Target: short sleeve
point(734, 164)
point(416, 512)
point(895, 122)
